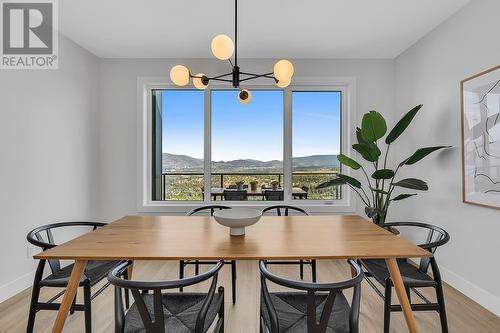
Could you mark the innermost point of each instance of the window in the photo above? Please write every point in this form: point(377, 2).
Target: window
point(205, 146)
point(247, 145)
point(178, 145)
point(316, 143)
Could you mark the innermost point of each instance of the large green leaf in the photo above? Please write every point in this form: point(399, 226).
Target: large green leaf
point(341, 180)
point(369, 151)
point(373, 126)
point(403, 196)
point(412, 183)
point(333, 182)
point(347, 161)
point(359, 137)
point(383, 174)
point(421, 153)
point(402, 124)
point(351, 181)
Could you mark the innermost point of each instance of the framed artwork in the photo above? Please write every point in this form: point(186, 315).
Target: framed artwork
point(480, 96)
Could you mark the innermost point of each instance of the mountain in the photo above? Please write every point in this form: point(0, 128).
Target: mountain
point(172, 163)
point(315, 162)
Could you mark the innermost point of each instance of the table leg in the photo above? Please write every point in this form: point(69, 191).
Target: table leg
point(392, 265)
point(69, 294)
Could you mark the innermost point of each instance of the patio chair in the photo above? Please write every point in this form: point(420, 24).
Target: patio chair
point(274, 195)
point(235, 195)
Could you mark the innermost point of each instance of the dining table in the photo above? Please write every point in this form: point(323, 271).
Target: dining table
point(201, 237)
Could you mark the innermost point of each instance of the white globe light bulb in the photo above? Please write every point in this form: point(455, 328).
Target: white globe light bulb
point(179, 75)
point(283, 70)
point(198, 81)
point(245, 96)
point(222, 47)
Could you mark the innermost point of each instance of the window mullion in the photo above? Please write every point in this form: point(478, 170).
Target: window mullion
point(207, 179)
point(287, 145)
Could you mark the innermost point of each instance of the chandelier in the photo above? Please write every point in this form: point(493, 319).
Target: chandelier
point(224, 48)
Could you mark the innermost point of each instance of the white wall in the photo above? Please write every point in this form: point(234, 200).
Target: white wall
point(118, 105)
point(429, 73)
point(48, 166)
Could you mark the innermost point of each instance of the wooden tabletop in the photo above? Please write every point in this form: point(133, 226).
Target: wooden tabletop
point(201, 237)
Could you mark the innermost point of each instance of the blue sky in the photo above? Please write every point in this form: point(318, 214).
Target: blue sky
point(253, 131)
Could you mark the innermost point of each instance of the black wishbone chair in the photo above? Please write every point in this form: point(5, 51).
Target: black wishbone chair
point(283, 210)
point(168, 312)
point(94, 272)
point(315, 308)
point(197, 263)
point(414, 277)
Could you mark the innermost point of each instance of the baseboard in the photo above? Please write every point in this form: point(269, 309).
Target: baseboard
point(14, 287)
point(477, 294)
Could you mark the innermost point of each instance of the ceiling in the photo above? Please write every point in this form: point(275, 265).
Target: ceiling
point(267, 28)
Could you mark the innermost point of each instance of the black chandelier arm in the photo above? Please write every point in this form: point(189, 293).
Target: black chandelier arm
point(221, 80)
point(219, 76)
point(215, 78)
point(256, 76)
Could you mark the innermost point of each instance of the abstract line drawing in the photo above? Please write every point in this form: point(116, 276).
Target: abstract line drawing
point(481, 138)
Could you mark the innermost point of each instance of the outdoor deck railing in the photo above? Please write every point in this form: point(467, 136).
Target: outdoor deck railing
point(224, 179)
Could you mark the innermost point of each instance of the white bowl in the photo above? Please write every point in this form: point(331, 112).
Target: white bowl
point(237, 219)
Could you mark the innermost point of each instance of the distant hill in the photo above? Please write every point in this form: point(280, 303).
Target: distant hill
point(316, 161)
point(171, 163)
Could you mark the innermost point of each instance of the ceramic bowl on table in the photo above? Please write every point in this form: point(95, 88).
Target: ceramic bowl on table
point(237, 219)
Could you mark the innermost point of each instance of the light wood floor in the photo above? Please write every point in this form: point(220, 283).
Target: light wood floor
point(464, 316)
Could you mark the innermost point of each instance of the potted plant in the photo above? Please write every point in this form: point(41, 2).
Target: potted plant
point(377, 192)
point(275, 184)
point(253, 185)
point(239, 185)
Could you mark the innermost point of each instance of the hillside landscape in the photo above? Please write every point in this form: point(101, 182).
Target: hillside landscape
point(184, 163)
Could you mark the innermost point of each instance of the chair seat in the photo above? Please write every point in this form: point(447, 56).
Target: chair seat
point(291, 308)
point(95, 271)
point(412, 277)
point(180, 312)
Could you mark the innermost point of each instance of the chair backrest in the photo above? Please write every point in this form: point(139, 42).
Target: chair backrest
point(435, 237)
point(235, 195)
point(331, 289)
point(204, 209)
point(278, 195)
point(153, 319)
point(43, 237)
point(283, 210)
